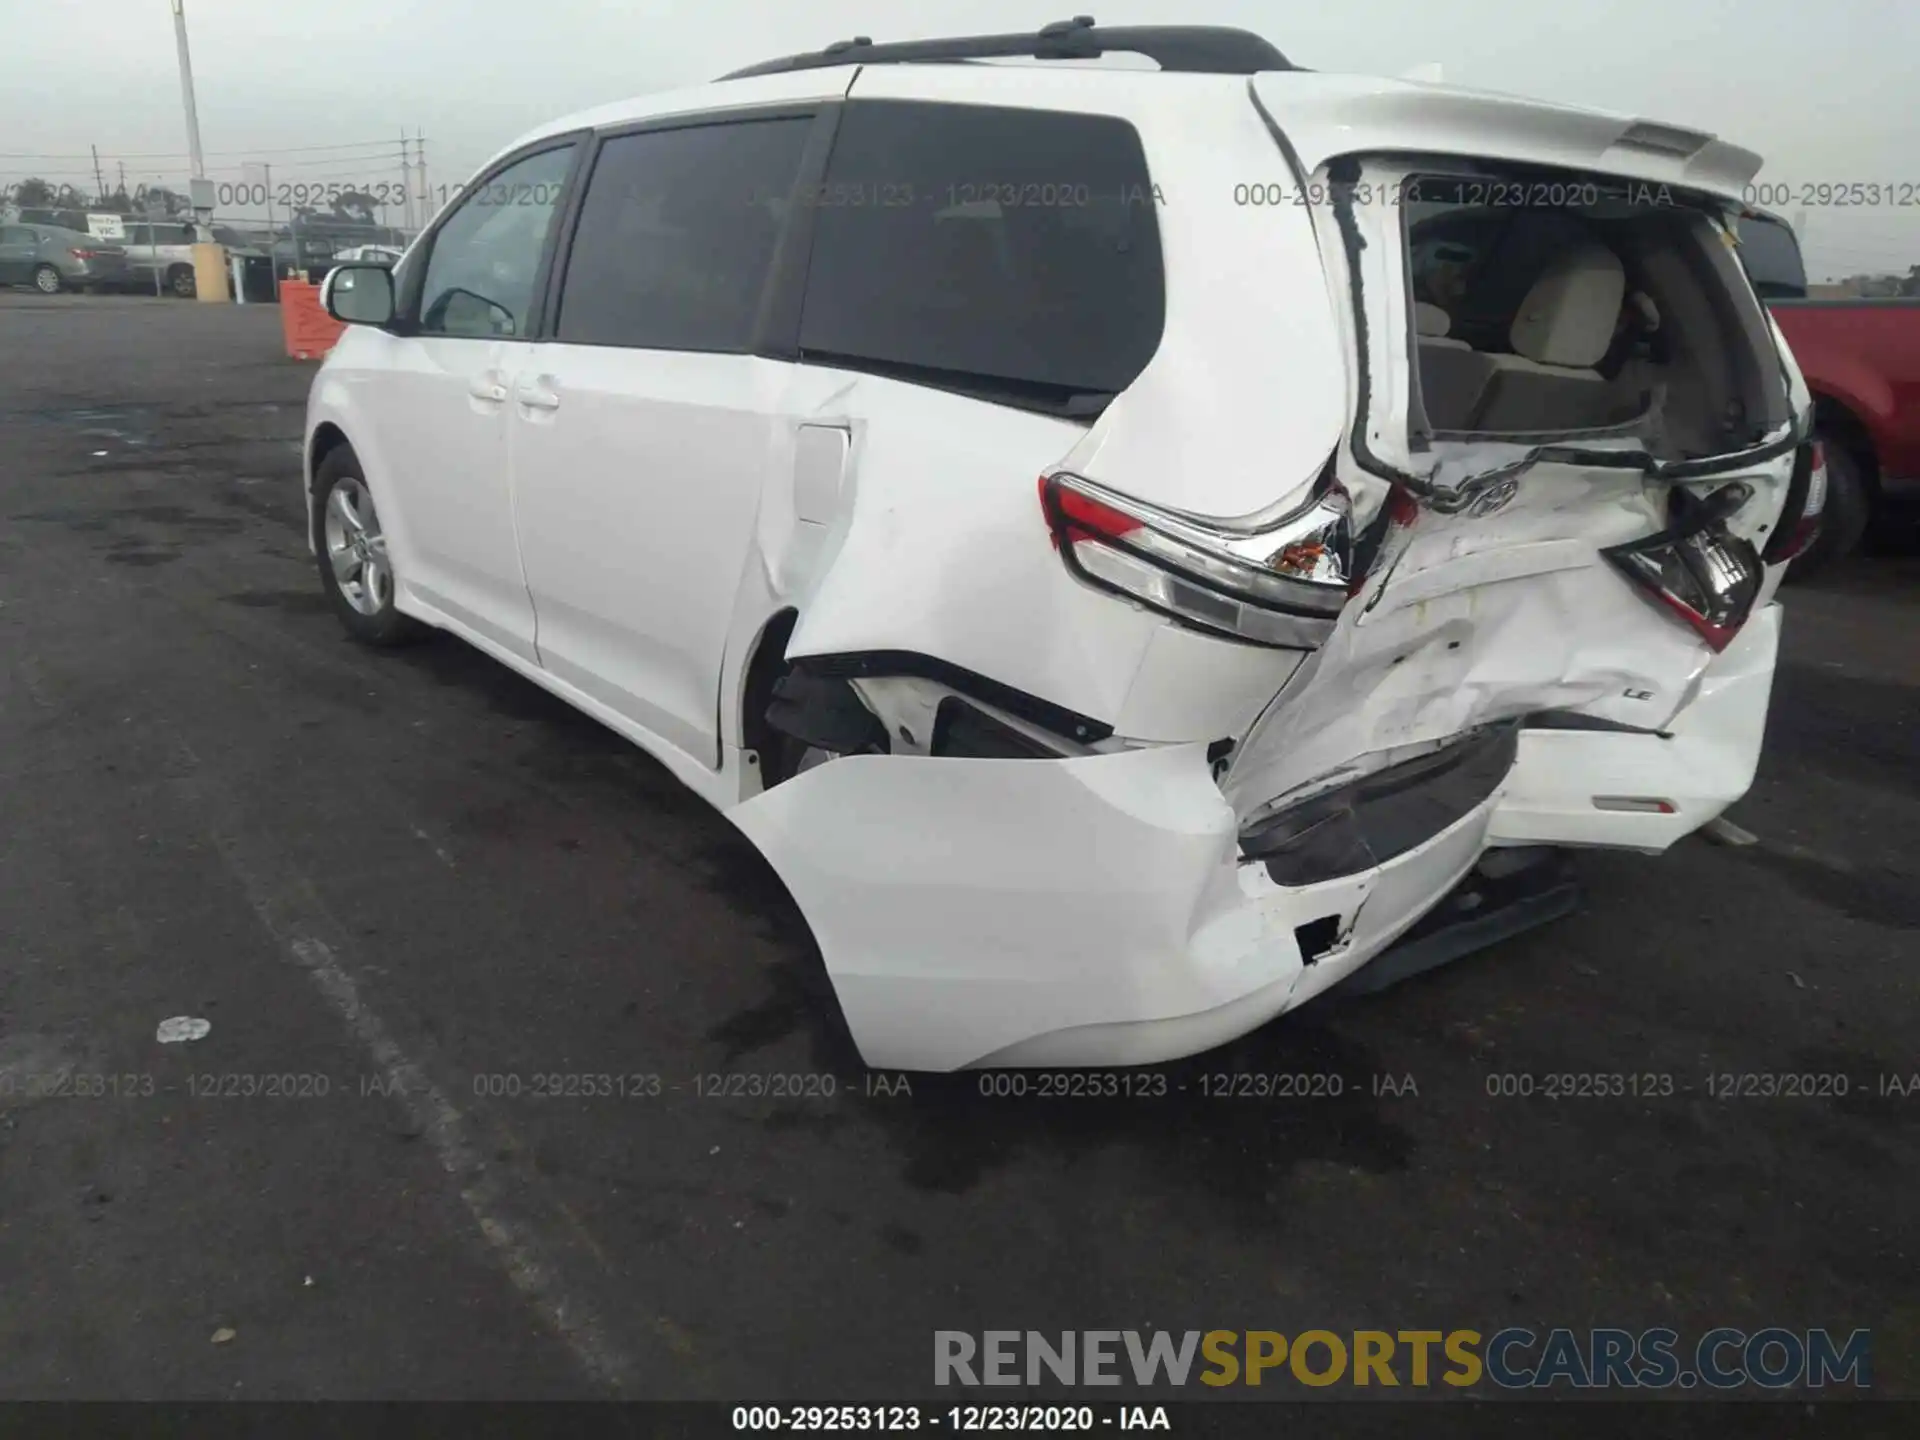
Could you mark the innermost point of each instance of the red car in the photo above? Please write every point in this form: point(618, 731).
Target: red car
point(1861, 359)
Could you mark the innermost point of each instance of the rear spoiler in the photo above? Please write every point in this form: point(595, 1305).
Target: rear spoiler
point(1325, 116)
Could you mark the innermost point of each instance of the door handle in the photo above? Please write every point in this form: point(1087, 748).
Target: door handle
point(536, 394)
point(487, 387)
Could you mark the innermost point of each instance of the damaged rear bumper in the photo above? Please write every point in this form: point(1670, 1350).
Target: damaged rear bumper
point(1092, 911)
point(1639, 791)
point(1112, 910)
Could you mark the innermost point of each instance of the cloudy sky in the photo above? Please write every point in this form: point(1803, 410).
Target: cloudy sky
point(323, 90)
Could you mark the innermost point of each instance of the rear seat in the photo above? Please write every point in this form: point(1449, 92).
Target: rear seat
point(1453, 375)
point(1563, 329)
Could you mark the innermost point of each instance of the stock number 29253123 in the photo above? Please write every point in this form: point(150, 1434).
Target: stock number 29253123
point(1073, 1084)
point(296, 194)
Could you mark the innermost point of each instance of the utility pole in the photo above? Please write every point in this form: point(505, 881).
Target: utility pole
point(406, 180)
point(426, 190)
point(99, 180)
point(186, 96)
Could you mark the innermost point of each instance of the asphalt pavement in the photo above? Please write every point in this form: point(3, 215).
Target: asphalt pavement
point(412, 896)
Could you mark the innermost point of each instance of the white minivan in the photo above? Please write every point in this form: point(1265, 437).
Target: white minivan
point(1123, 543)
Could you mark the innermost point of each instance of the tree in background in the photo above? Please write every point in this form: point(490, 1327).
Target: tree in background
point(159, 200)
point(34, 191)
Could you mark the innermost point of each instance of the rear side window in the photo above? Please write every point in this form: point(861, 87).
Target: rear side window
point(1772, 258)
point(1015, 253)
point(676, 236)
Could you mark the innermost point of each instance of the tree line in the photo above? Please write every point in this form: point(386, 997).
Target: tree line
point(34, 193)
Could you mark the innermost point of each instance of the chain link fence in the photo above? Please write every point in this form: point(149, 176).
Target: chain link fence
point(290, 214)
point(159, 251)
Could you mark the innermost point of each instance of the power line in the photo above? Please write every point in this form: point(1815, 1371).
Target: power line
point(317, 166)
point(182, 154)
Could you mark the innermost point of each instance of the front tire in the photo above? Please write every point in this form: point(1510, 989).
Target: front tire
point(355, 569)
point(180, 282)
point(46, 280)
point(1848, 508)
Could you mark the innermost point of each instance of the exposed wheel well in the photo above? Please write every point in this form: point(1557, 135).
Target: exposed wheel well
point(1840, 425)
point(768, 662)
point(326, 439)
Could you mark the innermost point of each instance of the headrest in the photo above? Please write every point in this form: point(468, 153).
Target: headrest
point(1430, 320)
point(1569, 315)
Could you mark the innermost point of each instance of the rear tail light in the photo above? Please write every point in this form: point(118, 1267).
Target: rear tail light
point(1798, 528)
point(1278, 581)
point(1697, 569)
point(86, 254)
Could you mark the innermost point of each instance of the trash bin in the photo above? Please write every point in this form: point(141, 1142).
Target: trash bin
point(255, 284)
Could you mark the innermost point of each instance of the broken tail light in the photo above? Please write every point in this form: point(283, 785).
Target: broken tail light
point(1279, 581)
point(1696, 568)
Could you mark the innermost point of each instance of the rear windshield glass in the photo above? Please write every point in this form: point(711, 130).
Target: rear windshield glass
point(1009, 253)
point(1772, 258)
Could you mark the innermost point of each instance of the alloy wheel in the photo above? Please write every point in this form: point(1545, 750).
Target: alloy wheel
point(356, 548)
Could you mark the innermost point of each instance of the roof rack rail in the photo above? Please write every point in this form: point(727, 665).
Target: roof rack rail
point(1195, 49)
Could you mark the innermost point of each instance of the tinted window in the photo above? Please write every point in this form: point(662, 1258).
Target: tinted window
point(15, 235)
point(486, 257)
point(1772, 258)
point(969, 245)
point(677, 234)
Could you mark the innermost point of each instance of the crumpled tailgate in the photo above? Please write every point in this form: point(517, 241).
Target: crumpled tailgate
point(1475, 618)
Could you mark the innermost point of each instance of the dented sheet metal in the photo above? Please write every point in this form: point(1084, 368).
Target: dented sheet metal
point(1489, 598)
point(1474, 618)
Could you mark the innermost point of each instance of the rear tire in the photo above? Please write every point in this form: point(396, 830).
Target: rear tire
point(355, 570)
point(180, 282)
point(46, 280)
point(1844, 522)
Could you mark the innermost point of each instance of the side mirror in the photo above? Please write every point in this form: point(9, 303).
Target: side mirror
point(359, 294)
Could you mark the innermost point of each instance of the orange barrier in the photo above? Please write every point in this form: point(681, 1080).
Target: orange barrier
point(310, 331)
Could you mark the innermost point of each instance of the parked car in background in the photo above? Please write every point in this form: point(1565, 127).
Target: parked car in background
point(239, 242)
point(1123, 545)
point(1861, 360)
point(162, 248)
point(52, 259)
point(302, 253)
point(61, 218)
point(370, 255)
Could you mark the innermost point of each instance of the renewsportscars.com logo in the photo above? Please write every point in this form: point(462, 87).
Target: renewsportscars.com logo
point(1514, 1358)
